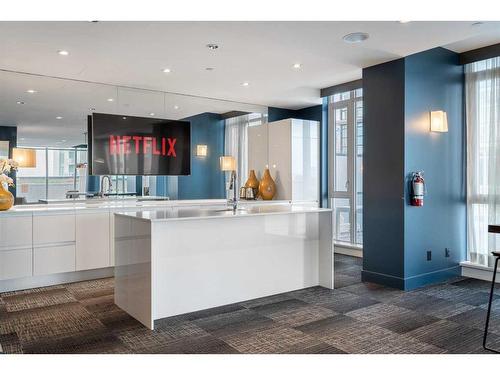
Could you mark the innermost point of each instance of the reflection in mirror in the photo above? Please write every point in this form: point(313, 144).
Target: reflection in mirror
point(50, 115)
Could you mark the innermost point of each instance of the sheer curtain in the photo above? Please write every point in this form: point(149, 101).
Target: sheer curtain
point(236, 144)
point(482, 81)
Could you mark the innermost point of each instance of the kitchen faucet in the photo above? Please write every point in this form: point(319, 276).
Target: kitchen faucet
point(101, 193)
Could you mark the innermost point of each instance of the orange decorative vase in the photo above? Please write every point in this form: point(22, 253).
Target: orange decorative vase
point(267, 187)
point(253, 183)
point(6, 198)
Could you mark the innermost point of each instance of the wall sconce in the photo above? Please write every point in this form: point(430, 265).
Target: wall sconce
point(439, 121)
point(26, 157)
point(201, 150)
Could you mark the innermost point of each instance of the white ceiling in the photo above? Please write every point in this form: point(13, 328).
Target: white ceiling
point(261, 53)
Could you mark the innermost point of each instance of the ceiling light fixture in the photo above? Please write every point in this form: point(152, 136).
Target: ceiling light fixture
point(245, 84)
point(209, 69)
point(356, 37)
point(63, 52)
point(297, 65)
point(166, 70)
point(59, 117)
point(212, 46)
point(31, 91)
point(110, 99)
point(404, 21)
point(152, 114)
point(20, 102)
point(176, 107)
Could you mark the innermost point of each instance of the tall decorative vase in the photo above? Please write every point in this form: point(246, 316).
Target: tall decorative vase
point(267, 187)
point(6, 198)
point(253, 183)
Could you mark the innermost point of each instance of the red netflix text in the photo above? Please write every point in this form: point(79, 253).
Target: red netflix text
point(128, 144)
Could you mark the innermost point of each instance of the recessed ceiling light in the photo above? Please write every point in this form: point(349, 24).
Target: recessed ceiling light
point(92, 109)
point(63, 140)
point(209, 69)
point(110, 99)
point(152, 114)
point(245, 84)
point(20, 102)
point(212, 46)
point(31, 91)
point(176, 107)
point(63, 52)
point(404, 21)
point(124, 118)
point(357, 37)
point(297, 65)
point(166, 70)
point(59, 117)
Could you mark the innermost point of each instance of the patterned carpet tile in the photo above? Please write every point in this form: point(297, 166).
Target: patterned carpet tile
point(281, 306)
point(317, 295)
point(213, 311)
point(91, 289)
point(195, 345)
point(233, 322)
point(10, 344)
point(453, 337)
point(265, 300)
point(275, 339)
point(477, 285)
point(301, 315)
point(394, 318)
point(345, 302)
point(374, 291)
point(476, 318)
point(458, 294)
point(342, 280)
point(42, 298)
point(430, 305)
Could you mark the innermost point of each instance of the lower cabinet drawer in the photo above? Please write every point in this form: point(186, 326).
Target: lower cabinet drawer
point(15, 263)
point(54, 259)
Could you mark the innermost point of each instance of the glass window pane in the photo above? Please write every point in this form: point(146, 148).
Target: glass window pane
point(341, 167)
point(61, 171)
point(30, 182)
point(342, 220)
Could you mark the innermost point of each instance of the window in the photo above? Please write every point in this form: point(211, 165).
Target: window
point(346, 165)
point(57, 171)
point(482, 81)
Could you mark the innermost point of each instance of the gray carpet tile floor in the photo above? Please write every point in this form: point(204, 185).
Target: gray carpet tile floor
point(356, 317)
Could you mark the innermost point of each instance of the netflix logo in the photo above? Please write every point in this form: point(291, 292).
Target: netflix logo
point(139, 146)
point(127, 144)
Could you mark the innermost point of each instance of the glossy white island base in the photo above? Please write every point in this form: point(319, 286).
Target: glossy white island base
point(178, 261)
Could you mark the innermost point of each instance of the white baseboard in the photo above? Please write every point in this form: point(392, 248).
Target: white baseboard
point(55, 279)
point(347, 250)
point(477, 271)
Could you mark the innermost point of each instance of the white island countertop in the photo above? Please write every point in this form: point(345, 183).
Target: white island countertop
point(195, 214)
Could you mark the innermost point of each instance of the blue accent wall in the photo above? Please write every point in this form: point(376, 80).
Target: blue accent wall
point(206, 180)
point(398, 97)
point(434, 81)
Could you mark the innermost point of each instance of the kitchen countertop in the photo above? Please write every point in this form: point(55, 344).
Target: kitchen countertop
point(113, 204)
point(192, 214)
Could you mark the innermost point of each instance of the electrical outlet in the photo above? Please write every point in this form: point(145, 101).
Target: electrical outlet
point(429, 255)
point(447, 252)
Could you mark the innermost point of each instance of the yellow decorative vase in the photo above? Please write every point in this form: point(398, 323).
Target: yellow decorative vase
point(267, 187)
point(253, 183)
point(6, 198)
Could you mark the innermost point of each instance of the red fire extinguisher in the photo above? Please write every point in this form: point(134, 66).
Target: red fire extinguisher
point(418, 189)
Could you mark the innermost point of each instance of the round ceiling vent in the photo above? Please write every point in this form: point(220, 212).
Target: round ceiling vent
point(357, 37)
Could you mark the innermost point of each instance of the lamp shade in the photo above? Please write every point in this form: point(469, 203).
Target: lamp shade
point(439, 121)
point(26, 157)
point(227, 163)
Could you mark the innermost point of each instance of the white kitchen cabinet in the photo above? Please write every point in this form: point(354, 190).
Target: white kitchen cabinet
point(92, 240)
point(16, 231)
point(293, 158)
point(54, 259)
point(15, 263)
point(53, 228)
point(257, 150)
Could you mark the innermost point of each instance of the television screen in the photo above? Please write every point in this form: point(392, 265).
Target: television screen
point(128, 145)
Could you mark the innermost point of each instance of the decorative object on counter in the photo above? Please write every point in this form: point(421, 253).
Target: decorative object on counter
point(250, 194)
point(253, 183)
point(267, 186)
point(228, 164)
point(6, 198)
point(25, 157)
point(243, 192)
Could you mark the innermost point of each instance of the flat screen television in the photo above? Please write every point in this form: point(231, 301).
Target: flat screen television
point(128, 145)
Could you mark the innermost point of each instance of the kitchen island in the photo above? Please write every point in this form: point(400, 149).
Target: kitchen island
point(179, 260)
